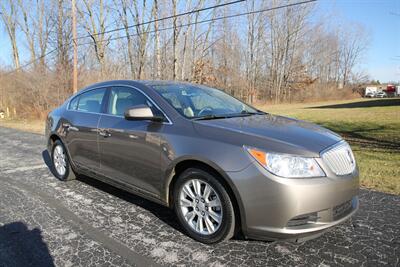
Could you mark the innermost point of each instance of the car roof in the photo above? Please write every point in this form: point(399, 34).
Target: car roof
point(163, 82)
point(141, 84)
point(136, 82)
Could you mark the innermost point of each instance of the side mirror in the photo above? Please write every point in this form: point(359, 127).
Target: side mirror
point(141, 112)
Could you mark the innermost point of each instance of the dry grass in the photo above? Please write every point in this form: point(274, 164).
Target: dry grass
point(32, 126)
point(371, 126)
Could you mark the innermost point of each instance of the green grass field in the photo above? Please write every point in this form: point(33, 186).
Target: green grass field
point(371, 126)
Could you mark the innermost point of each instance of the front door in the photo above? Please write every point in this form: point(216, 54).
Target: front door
point(130, 150)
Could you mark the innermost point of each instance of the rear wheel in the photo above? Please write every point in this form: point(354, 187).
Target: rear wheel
point(61, 165)
point(204, 207)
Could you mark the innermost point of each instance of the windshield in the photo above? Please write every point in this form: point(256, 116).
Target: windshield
point(197, 101)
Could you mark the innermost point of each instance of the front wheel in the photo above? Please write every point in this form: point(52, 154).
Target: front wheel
point(204, 207)
point(61, 165)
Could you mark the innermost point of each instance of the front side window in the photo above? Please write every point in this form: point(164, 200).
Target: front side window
point(122, 98)
point(73, 104)
point(91, 101)
point(196, 101)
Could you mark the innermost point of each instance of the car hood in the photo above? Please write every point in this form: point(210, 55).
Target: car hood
point(272, 133)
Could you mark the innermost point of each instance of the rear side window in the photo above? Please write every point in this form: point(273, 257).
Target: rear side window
point(91, 101)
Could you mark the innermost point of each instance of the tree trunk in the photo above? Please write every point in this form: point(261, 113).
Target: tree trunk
point(10, 21)
point(175, 42)
point(157, 51)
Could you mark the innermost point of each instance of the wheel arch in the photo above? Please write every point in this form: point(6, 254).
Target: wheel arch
point(52, 138)
point(217, 172)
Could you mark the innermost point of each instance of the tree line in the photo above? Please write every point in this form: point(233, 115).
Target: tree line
point(263, 54)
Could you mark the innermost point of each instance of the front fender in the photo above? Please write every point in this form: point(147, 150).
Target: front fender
point(170, 178)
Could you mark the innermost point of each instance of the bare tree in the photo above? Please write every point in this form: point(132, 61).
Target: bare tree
point(63, 35)
point(36, 26)
point(27, 27)
point(10, 19)
point(185, 34)
point(157, 51)
point(175, 41)
point(255, 34)
point(44, 26)
point(123, 8)
point(353, 42)
point(95, 15)
point(278, 55)
point(142, 31)
point(285, 29)
point(205, 44)
point(195, 44)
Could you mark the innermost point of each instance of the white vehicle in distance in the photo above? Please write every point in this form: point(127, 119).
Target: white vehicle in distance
point(371, 91)
point(370, 94)
point(381, 94)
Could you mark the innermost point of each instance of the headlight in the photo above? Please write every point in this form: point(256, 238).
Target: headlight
point(285, 165)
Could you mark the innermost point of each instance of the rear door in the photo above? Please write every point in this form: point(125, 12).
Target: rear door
point(130, 150)
point(83, 116)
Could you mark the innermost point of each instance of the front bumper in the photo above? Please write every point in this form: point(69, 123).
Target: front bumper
point(280, 208)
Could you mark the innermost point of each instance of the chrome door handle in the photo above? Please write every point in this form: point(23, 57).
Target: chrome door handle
point(69, 127)
point(104, 133)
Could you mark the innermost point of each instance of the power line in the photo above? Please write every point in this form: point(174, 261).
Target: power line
point(207, 21)
point(161, 19)
point(130, 26)
point(169, 28)
point(32, 61)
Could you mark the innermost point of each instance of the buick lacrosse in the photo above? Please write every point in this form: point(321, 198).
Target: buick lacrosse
point(222, 165)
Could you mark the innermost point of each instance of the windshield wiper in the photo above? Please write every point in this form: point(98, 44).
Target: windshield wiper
point(245, 112)
point(211, 117)
point(241, 114)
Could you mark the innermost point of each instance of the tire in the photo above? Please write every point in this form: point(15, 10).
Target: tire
point(66, 173)
point(202, 209)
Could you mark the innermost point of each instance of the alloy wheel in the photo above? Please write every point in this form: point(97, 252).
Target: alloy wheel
point(59, 160)
point(201, 206)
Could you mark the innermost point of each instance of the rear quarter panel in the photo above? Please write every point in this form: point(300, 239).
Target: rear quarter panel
point(52, 125)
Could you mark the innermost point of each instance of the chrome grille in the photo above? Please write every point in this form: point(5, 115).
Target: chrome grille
point(340, 159)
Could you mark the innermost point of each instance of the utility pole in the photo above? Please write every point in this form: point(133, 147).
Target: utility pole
point(75, 61)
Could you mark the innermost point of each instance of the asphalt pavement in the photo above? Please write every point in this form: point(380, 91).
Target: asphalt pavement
point(46, 222)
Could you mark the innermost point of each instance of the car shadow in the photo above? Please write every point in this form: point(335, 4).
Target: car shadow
point(164, 213)
point(20, 246)
point(364, 104)
point(361, 136)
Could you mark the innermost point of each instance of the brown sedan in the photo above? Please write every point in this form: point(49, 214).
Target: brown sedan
point(223, 165)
